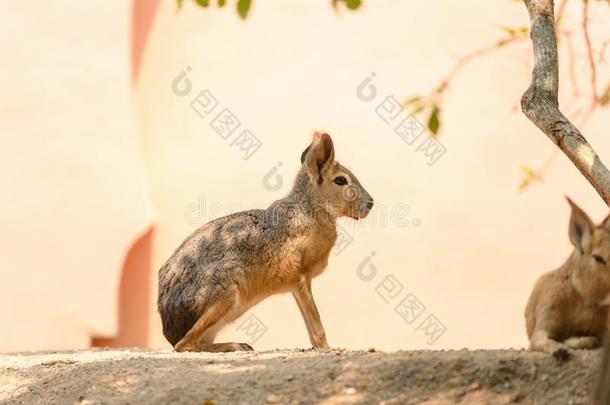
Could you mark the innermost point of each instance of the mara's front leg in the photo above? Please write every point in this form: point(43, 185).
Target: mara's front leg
point(304, 298)
point(542, 342)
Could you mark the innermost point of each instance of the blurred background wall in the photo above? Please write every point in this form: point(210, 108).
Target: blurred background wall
point(98, 127)
point(74, 190)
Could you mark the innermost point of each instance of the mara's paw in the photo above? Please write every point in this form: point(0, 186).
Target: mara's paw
point(322, 349)
point(234, 347)
point(582, 342)
point(186, 348)
point(214, 347)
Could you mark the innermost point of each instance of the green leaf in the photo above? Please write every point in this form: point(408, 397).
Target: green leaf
point(509, 30)
point(434, 121)
point(221, 3)
point(605, 98)
point(353, 4)
point(502, 42)
point(417, 110)
point(514, 31)
point(203, 3)
point(411, 100)
point(530, 175)
point(442, 87)
point(243, 6)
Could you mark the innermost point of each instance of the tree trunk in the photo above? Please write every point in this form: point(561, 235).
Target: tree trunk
point(602, 393)
point(540, 104)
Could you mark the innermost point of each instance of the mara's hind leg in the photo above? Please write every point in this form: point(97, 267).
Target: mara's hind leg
point(200, 337)
point(223, 347)
point(206, 343)
point(582, 342)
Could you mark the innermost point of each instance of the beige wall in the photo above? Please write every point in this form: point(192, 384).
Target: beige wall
point(74, 194)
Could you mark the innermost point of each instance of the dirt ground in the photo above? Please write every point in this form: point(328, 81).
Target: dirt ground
point(337, 376)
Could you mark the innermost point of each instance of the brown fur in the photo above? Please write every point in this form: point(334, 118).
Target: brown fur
point(568, 307)
point(231, 263)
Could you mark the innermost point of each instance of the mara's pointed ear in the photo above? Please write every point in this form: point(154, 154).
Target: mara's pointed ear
point(304, 154)
point(580, 229)
point(319, 155)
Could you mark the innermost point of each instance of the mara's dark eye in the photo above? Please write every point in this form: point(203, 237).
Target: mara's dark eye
point(340, 181)
point(599, 259)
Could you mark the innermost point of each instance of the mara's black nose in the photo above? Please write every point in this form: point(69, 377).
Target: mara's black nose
point(369, 204)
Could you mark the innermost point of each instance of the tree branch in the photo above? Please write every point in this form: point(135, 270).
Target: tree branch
point(540, 102)
point(587, 36)
point(602, 59)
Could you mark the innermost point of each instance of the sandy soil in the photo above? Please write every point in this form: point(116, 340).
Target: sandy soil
point(296, 376)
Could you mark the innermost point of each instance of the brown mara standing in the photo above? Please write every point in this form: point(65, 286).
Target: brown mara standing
point(229, 264)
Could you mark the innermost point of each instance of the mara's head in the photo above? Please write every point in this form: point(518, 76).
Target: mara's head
point(591, 274)
point(335, 186)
